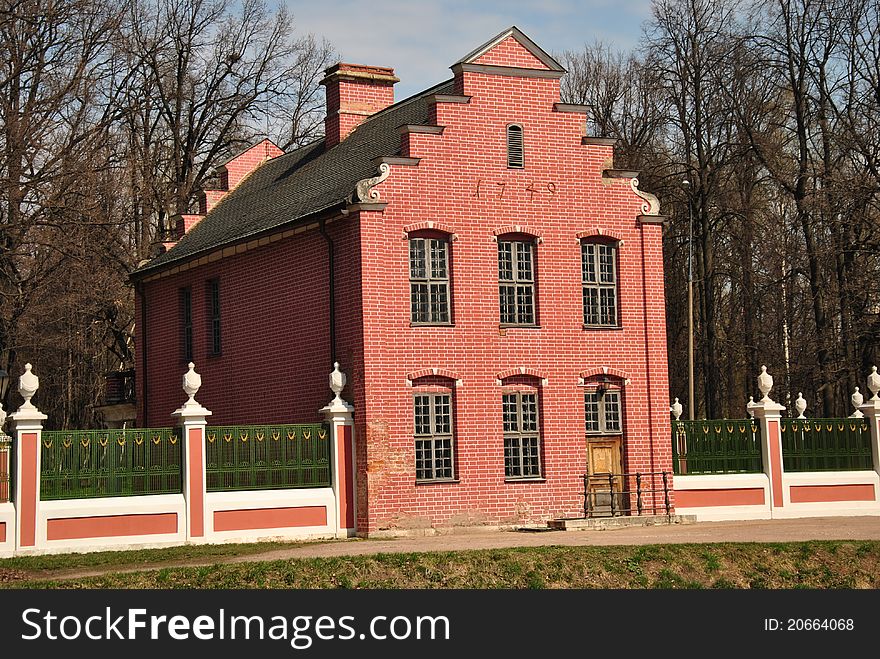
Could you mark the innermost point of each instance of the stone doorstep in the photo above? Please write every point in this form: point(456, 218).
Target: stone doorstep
point(603, 523)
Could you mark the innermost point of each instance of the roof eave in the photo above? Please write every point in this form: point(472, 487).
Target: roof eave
point(148, 271)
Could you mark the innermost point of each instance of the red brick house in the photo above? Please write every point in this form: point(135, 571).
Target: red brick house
point(490, 284)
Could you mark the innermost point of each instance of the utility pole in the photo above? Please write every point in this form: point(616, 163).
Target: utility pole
point(691, 403)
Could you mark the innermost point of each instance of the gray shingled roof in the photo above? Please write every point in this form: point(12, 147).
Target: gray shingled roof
point(299, 184)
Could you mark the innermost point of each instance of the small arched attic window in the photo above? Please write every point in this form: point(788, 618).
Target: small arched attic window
point(515, 151)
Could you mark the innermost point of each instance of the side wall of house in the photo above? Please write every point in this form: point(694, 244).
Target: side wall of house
point(463, 186)
point(275, 347)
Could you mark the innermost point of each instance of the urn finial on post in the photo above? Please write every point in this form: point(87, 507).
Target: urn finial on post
point(676, 409)
point(857, 400)
point(28, 384)
point(800, 405)
point(765, 384)
point(192, 382)
point(337, 382)
point(874, 383)
point(751, 404)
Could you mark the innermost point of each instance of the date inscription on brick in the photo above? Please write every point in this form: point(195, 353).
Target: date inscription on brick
point(503, 190)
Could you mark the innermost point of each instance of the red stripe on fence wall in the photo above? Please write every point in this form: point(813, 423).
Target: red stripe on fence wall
point(702, 498)
point(816, 493)
point(2, 531)
point(775, 463)
point(346, 483)
point(109, 526)
point(196, 485)
point(29, 489)
point(269, 518)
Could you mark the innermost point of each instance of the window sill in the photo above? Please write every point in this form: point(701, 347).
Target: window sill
point(527, 479)
point(517, 325)
point(439, 481)
point(602, 327)
point(432, 324)
point(598, 434)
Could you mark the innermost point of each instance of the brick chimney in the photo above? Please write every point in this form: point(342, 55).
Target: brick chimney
point(231, 173)
point(236, 168)
point(354, 92)
point(184, 222)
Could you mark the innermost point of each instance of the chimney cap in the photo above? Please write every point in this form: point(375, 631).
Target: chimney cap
point(381, 75)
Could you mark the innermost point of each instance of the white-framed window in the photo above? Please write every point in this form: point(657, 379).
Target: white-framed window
point(516, 282)
point(434, 438)
point(429, 281)
point(599, 281)
point(522, 435)
point(515, 147)
point(602, 411)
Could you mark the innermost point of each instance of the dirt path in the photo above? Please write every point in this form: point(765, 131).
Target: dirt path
point(791, 530)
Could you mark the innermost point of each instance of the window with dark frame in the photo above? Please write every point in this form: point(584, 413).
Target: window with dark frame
point(522, 437)
point(515, 147)
point(599, 279)
point(433, 437)
point(214, 306)
point(516, 282)
point(186, 324)
point(429, 281)
point(602, 411)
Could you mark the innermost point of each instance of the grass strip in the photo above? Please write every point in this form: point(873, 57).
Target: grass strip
point(814, 565)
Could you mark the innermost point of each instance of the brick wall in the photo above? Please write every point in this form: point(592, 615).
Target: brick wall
point(510, 53)
point(274, 307)
point(463, 182)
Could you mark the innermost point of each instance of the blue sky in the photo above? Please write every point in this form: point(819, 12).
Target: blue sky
point(420, 39)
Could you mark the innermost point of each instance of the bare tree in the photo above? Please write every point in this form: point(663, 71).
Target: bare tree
point(692, 45)
point(55, 63)
point(112, 117)
point(210, 75)
point(771, 111)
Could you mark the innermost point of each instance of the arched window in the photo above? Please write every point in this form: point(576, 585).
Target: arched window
point(520, 410)
point(429, 279)
point(599, 281)
point(515, 152)
point(516, 280)
point(434, 429)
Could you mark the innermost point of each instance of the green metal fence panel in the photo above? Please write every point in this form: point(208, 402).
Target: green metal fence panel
point(83, 464)
point(267, 457)
point(826, 445)
point(5, 468)
point(716, 447)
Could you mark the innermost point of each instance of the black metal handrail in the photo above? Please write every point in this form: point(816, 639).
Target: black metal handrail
point(610, 495)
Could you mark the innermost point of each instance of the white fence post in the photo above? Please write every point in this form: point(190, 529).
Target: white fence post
point(192, 419)
point(769, 415)
point(340, 415)
point(871, 409)
point(28, 431)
